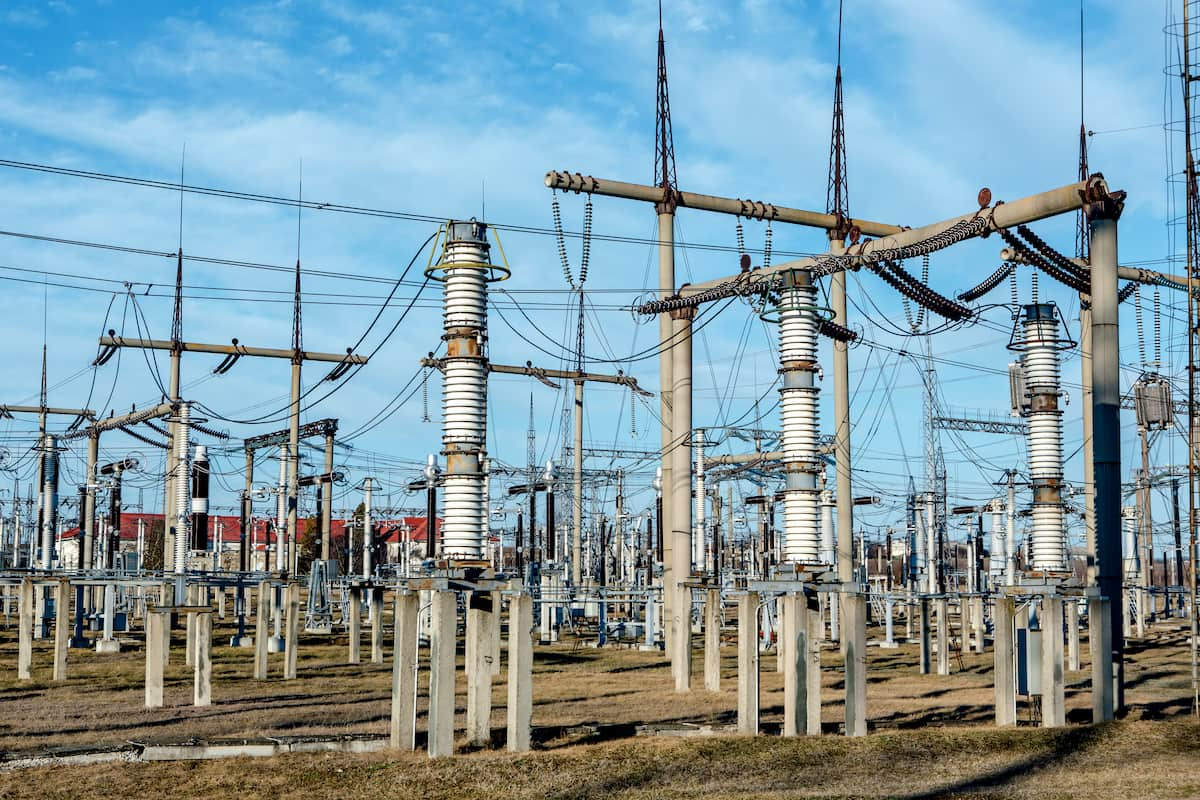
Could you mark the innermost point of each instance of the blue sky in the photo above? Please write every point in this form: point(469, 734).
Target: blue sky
point(444, 111)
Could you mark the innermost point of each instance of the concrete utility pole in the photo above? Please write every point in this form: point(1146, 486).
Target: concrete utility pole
point(1103, 210)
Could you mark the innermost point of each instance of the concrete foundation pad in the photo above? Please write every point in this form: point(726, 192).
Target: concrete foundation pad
point(888, 645)
point(108, 646)
point(241, 641)
point(275, 644)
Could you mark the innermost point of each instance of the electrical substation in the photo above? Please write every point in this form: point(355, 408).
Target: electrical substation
point(721, 551)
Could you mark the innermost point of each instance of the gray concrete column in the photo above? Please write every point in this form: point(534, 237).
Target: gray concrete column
point(747, 708)
point(479, 669)
point(1005, 678)
point(943, 636)
point(107, 643)
point(494, 640)
point(1072, 611)
point(792, 641)
point(812, 668)
point(1053, 698)
point(62, 628)
point(712, 640)
point(404, 673)
point(377, 626)
point(782, 609)
point(1103, 211)
point(155, 622)
point(1100, 650)
point(260, 631)
point(202, 683)
point(292, 642)
point(442, 646)
point(520, 672)
point(25, 617)
point(926, 655)
point(854, 634)
point(977, 622)
point(190, 597)
point(355, 622)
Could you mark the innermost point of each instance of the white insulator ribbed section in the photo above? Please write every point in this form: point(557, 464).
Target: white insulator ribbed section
point(1040, 362)
point(798, 325)
point(464, 390)
point(462, 511)
point(799, 406)
point(465, 294)
point(464, 401)
point(700, 489)
point(828, 542)
point(801, 520)
point(183, 475)
point(799, 409)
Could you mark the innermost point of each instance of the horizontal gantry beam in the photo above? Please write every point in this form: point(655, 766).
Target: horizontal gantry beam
point(234, 349)
point(751, 209)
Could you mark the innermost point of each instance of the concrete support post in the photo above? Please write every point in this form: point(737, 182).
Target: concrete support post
point(494, 641)
point(25, 618)
point(712, 640)
point(442, 646)
point(404, 673)
point(479, 670)
point(926, 656)
point(681, 500)
point(202, 683)
point(62, 628)
point(1100, 647)
point(782, 609)
point(260, 631)
point(1072, 611)
point(189, 598)
point(155, 622)
point(520, 672)
point(943, 636)
point(292, 642)
point(802, 674)
point(376, 626)
point(108, 644)
point(977, 623)
point(747, 707)
point(355, 621)
point(855, 639)
point(889, 629)
point(1053, 697)
point(666, 288)
point(1103, 211)
point(1005, 678)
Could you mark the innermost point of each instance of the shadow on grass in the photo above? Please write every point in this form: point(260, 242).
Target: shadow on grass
point(1065, 744)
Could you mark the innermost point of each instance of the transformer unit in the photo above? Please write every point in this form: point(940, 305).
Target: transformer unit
point(1152, 402)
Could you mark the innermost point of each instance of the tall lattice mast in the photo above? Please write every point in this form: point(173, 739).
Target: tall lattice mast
point(1081, 228)
point(837, 198)
point(664, 150)
point(1193, 276)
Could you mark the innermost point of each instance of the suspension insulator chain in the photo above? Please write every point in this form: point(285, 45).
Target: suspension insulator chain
point(1016, 300)
point(1157, 329)
point(587, 242)
point(767, 247)
point(632, 413)
point(741, 238)
point(1137, 319)
point(425, 396)
point(558, 236)
point(992, 281)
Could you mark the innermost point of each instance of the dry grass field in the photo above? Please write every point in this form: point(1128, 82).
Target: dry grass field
point(931, 735)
